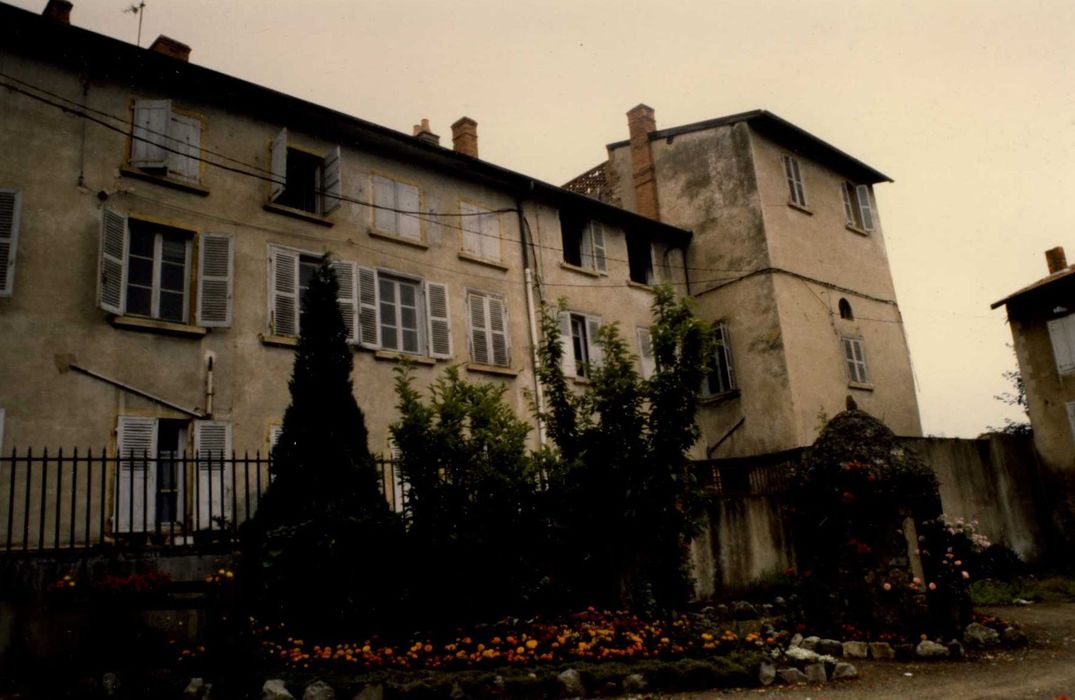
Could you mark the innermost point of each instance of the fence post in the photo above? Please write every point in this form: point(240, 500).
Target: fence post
point(11, 501)
point(44, 503)
point(74, 498)
point(59, 498)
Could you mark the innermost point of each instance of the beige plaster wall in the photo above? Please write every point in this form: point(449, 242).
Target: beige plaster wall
point(1047, 391)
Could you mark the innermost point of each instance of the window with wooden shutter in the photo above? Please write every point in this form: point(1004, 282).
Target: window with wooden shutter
point(479, 329)
point(185, 134)
point(647, 363)
point(213, 457)
point(136, 452)
point(149, 138)
point(597, 236)
point(488, 330)
point(481, 231)
point(408, 203)
point(112, 263)
point(568, 347)
point(793, 175)
point(1062, 337)
point(396, 209)
point(348, 296)
point(9, 239)
point(578, 338)
point(216, 261)
point(862, 193)
point(855, 358)
point(440, 321)
point(368, 324)
point(283, 292)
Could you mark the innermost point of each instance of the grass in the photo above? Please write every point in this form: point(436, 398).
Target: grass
point(1052, 588)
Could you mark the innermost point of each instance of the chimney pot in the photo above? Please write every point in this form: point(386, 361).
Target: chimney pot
point(465, 136)
point(1055, 259)
point(171, 47)
point(58, 10)
point(422, 132)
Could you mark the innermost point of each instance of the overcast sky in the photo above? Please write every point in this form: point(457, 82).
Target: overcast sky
point(968, 106)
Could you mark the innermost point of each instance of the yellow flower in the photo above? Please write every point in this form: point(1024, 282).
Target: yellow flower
point(531, 644)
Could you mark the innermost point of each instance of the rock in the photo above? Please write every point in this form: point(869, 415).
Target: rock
point(856, 650)
point(1023, 601)
point(571, 684)
point(796, 640)
point(905, 652)
point(319, 690)
point(635, 683)
point(881, 650)
point(801, 654)
point(955, 649)
point(197, 689)
point(766, 673)
point(980, 637)
point(815, 673)
point(931, 650)
point(274, 689)
point(373, 691)
point(1014, 637)
point(810, 643)
point(830, 647)
point(742, 610)
point(779, 603)
point(110, 683)
point(457, 692)
point(721, 611)
point(765, 609)
point(844, 671)
point(792, 676)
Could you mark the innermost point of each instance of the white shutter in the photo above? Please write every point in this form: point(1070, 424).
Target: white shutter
point(860, 356)
point(440, 321)
point(278, 160)
point(1062, 335)
point(586, 255)
point(479, 332)
point(212, 447)
point(112, 264)
point(498, 332)
point(472, 229)
point(275, 431)
point(216, 263)
point(600, 263)
point(185, 139)
point(136, 477)
point(596, 353)
point(369, 327)
point(724, 346)
point(331, 185)
point(407, 201)
point(150, 134)
point(384, 195)
point(9, 239)
point(490, 238)
point(348, 296)
point(862, 193)
point(284, 292)
point(647, 363)
point(849, 207)
point(567, 351)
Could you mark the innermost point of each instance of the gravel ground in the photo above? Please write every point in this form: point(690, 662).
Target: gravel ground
point(1045, 669)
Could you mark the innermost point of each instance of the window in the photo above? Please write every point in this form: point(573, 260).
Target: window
point(647, 361)
point(488, 329)
point(640, 259)
point(165, 142)
point(857, 208)
point(1062, 335)
point(855, 358)
point(402, 313)
point(481, 231)
point(145, 270)
point(721, 376)
point(796, 189)
point(845, 310)
point(290, 272)
point(583, 242)
point(303, 180)
point(578, 338)
point(9, 239)
point(397, 208)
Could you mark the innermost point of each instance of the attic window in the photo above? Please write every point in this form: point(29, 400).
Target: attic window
point(583, 242)
point(640, 258)
point(845, 310)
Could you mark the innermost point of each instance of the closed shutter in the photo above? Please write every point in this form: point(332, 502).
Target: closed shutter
point(150, 133)
point(212, 447)
point(600, 264)
point(597, 354)
point(647, 363)
point(862, 193)
point(9, 239)
point(407, 201)
point(479, 331)
point(471, 225)
point(283, 292)
point(490, 238)
point(112, 279)
point(849, 358)
point(369, 327)
point(567, 352)
point(136, 480)
point(185, 142)
point(440, 322)
point(216, 261)
point(331, 184)
point(384, 196)
point(849, 207)
point(348, 296)
point(498, 332)
point(278, 159)
point(1062, 335)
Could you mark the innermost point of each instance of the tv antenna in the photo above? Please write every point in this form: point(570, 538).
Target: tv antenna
point(140, 10)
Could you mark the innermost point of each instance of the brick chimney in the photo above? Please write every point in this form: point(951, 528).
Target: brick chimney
point(58, 10)
point(422, 132)
point(170, 47)
point(465, 136)
point(641, 123)
point(1056, 260)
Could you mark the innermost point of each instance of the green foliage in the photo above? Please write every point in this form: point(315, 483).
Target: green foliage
point(1016, 397)
point(994, 592)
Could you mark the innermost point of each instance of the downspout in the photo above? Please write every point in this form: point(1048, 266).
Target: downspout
point(209, 392)
point(531, 318)
point(82, 138)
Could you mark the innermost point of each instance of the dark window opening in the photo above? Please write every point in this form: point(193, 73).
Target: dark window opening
point(303, 181)
point(845, 310)
point(721, 376)
point(580, 345)
point(640, 258)
point(171, 441)
point(571, 232)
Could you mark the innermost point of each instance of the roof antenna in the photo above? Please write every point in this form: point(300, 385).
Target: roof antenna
point(139, 10)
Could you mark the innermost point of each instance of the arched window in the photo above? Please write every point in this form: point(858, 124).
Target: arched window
point(845, 310)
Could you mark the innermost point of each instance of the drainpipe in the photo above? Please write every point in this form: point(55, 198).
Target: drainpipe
point(531, 317)
point(209, 384)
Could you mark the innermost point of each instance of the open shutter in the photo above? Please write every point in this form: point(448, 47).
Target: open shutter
point(136, 489)
point(150, 134)
point(278, 160)
point(284, 292)
point(600, 264)
point(472, 229)
point(9, 239)
point(860, 358)
point(369, 329)
point(212, 448)
point(595, 351)
point(567, 351)
point(184, 142)
point(440, 321)
point(498, 332)
point(348, 298)
point(216, 264)
point(647, 363)
point(384, 195)
point(407, 201)
point(331, 186)
point(862, 193)
point(724, 348)
point(479, 332)
point(112, 279)
point(1062, 335)
point(849, 207)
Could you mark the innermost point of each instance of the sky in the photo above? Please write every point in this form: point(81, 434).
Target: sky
point(968, 106)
